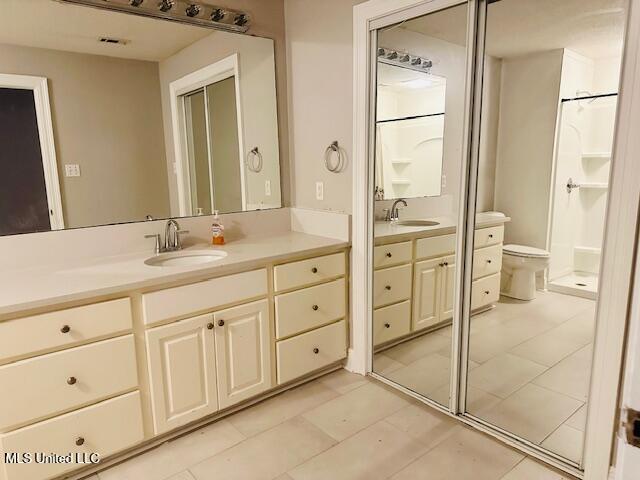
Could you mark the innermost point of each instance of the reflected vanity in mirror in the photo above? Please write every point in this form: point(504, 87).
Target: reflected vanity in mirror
point(111, 118)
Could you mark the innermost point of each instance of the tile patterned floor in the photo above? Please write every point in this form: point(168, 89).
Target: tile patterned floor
point(341, 426)
point(529, 370)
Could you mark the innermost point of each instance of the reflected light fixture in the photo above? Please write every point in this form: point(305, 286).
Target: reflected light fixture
point(191, 12)
point(404, 60)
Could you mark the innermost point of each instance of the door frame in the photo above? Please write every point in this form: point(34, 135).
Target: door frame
point(39, 87)
point(618, 258)
point(218, 71)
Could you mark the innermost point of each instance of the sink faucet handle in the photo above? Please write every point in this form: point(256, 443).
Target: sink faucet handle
point(158, 241)
point(387, 214)
point(178, 233)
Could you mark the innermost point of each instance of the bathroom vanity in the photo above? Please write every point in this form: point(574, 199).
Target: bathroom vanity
point(107, 368)
point(415, 272)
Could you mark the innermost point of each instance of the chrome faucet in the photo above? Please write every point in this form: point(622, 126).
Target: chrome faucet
point(395, 214)
point(172, 234)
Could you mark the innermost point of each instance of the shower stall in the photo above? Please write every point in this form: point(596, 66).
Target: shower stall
point(580, 190)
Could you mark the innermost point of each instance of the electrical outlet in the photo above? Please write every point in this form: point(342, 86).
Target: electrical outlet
point(267, 187)
point(444, 180)
point(72, 170)
point(319, 191)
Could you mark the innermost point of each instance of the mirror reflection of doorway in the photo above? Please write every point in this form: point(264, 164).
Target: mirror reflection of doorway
point(213, 149)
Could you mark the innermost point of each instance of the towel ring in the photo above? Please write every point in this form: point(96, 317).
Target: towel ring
point(337, 166)
point(254, 160)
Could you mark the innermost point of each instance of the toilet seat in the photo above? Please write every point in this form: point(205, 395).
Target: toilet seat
point(525, 251)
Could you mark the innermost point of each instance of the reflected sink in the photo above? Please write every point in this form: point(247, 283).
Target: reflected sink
point(417, 223)
point(185, 258)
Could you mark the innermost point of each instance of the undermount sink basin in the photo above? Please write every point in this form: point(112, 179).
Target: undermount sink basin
point(417, 223)
point(185, 258)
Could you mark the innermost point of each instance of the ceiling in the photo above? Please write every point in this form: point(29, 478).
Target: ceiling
point(593, 28)
point(53, 25)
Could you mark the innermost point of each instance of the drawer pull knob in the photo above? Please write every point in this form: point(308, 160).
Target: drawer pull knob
point(79, 441)
point(72, 380)
point(487, 292)
point(388, 287)
point(491, 235)
point(488, 261)
point(389, 255)
point(441, 264)
point(316, 350)
point(65, 329)
point(221, 323)
point(386, 325)
point(446, 264)
point(210, 325)
point(314, 270)
point(315, 307)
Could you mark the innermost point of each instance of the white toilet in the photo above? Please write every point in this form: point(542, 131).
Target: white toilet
point(520, 264)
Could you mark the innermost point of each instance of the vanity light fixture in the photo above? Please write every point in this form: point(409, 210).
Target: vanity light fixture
point(166, 5)
point(199, 13)
point(404, 60)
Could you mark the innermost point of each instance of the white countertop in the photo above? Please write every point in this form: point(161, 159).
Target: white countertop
point(48, 285)
point(385, 232)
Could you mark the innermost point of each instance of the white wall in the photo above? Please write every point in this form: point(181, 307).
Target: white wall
point(319, 66)
point(526, 136)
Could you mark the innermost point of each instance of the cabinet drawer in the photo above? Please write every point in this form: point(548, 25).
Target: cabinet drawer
point(105, 429)
point(309, 308)
point(53, 383)
point(307, 272)
point(391, 322)
point(485, 291)
point(310, 351)
point(488, 236)
point(487, 261)
point(392, 254)
point(29, 336)
point(436, 246)
point(391, 285)
point(202, 296)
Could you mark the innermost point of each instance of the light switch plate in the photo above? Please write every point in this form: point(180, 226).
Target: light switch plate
point(319, 191)
point(71, 170)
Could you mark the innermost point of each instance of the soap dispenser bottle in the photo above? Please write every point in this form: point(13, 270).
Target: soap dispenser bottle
point(217, 230)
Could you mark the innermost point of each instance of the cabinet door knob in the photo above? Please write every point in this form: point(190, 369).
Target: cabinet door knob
point(388, 287)
point(441, 264)
point(79, 441)
point(314, 270)
point(389, 255)
point(487, 292)
point(386, 325)
point(72, 380)
point(65, 329)
point(221, 323)
point(488, 261)
point(316, 350)
point(446, 264)
point(315, 307)
point(491, 235)
point(210, 325)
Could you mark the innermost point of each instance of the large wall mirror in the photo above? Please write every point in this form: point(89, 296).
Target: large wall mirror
point(111, 118)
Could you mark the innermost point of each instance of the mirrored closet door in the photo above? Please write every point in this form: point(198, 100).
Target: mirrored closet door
point(421, 71)
point(550, 85)
point(505, 337)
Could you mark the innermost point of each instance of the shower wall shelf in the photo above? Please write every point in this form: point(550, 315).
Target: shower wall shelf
point(599, 186)
point(401, 181)
point(401, 161)
point(597, 156)
point(591, 250)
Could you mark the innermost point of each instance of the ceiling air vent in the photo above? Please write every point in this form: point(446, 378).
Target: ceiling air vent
point(112, 40)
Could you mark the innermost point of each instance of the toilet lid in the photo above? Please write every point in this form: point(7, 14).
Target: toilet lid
point(524, 251)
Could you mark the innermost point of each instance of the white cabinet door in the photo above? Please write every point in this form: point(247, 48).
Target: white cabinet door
point(243, 352)
point(426, 295)
point(182, 371)
point(448, 272)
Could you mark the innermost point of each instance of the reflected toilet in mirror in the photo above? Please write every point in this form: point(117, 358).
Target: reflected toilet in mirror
point(548, 113)
point(418, 161)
